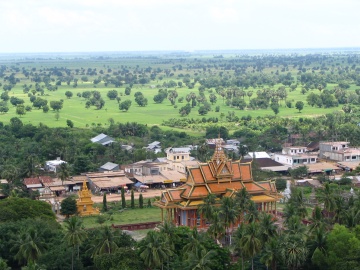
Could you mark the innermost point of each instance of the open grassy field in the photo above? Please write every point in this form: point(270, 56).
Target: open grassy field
point(152, 114)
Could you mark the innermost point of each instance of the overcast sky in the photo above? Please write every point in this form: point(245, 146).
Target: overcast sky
point(143, 25)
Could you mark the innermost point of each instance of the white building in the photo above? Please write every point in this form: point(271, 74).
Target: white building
point(295, 155)
point(339, 151)
point(53, 165)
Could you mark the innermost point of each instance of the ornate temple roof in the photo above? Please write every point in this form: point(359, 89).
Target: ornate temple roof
point(220, 176)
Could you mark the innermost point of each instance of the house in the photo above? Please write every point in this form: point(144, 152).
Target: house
point(53, 165)
point(109, 166)
point(178, 154)
point(220, 176)
point(267, 164)
point(295, 155)
point(339, 151)
point(102, 139)
point(253, 155)
point(110, 181)
point(308, 183)
point(32, 183)
point(154, 147)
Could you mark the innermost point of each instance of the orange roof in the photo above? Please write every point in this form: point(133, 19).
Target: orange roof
point(236, 185)
point(175, 194)
point(253, 187)
point(265, 185)
point(197, 175)
point(236, 170)
point(45, 179)
point(31, 181)
point(167, 196)
point(200, 191)
point(207, 172)
point(218, 187)
point(228, 165)
point(245, 170)
point(186, 191)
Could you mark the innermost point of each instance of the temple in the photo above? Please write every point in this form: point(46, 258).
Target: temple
point(85, 203)
point(220, 176)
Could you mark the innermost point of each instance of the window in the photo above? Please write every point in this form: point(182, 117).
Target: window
point(353, 157)
point(312, 159)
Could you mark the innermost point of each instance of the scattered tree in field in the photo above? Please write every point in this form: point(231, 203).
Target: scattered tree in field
point(39, 103)
point(5, 96)
point(149, 203)
point(68, 94)
point(20, 110)
point(184, 111)
point(140, 99)
point(28, 108)
point(86, 94)
point(69, 123)
point(275, 108)
point(57, 116)
point(16, 101)
point(128, 91)
point(125, 105)
point(3, 107)
point(118, 99)
point(46, 108)
point(299, 105)
point(112, 94)
point(56, 105)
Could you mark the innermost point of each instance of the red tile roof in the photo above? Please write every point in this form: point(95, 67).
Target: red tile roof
point(245, 171)
point(197, 175)
point(199, 192)
point(31, 181)
point(207, 172)
point(45, 179)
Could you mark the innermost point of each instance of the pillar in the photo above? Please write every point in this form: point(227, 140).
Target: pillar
point(162, 215)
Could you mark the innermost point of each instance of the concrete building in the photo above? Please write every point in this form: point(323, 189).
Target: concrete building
point(339, 151)
point(294, 156)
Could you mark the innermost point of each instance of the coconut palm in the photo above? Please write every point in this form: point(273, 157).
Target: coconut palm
point(63, 172)
point(156, 250)
point(252, 214)
point(202, 260)
point(239, 234)
point(293, 252)
point(207, 209)
point(317, 219)
point(268, 229)
point(217, 228)
point(251, 242)
point(228, 213)
point(29, 246)
point(327, 197)
point(75, 235)
point(242, 200)
point(271, 253)
point(105, 242)
point(194, 244)
point(318, 241)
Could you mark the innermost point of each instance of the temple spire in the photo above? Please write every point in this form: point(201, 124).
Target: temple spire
point(219, 154)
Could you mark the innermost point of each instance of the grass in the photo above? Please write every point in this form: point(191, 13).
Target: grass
point(153, 114)
point(127, 216)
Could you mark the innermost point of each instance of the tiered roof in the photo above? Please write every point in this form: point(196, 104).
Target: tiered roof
point(220, 176)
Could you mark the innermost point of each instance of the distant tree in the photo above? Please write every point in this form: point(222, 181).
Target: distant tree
point(5, 96)
point(20, 110)
point(46, 108)
point(275, 108)
point(57, 116)
point(86, 94)
point(184, 111)
point(28, 108)
point(112, 94)
point(288, 104)
point(69, 123)
point(128, 91)
point(105, 208)
point(56, 105)
point(68, 94)
point(212, 98)
point(149, 203)
point(123, 201)
point(3, 108)
point(68, 207)
point(39, 102)
point(63, 172)
point(299, 105)
point(132, 199)
point(141, 201)
point(125, 105)
point(202, 110)
point(16, 101)
point(118, 99)
point(140, 99)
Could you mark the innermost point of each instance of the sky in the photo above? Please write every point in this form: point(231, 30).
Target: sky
point(158, 25)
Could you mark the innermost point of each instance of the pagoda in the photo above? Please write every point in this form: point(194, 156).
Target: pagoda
point(220, 176)
point(85, 203)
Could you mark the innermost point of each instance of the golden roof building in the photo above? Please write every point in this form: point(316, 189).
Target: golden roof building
point(85, 203)
point(220, 176)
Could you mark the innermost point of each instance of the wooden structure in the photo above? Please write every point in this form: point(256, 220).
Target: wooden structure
point(220, 176)
point(85, 203)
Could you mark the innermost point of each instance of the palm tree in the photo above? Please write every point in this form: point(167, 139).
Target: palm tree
point(293, 252)
point(271, 254)
point(228, 213)
point(268, 229)
point(207, 209)
point(63, 172)
point(74, 235)
point(252, 213)
point(317, 219)
point(216, 229)
point(327, 198)
point(318, 241)
point(203, 260)
point(156, 250)
point(239, 234)
point(105, 242)
point(194, 244)
point(251, 242)
point(29, 245)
